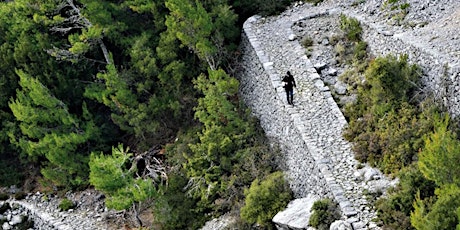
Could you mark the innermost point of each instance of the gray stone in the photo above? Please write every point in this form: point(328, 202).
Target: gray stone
point(297, 214)
point(340, 225)
point(292, 37)
point(6, 226)
point(340, 88)
point(320, 66)
point(358, 225)
point(17, 219)
point(219, 223)
point(332, 72)
point(370, 173)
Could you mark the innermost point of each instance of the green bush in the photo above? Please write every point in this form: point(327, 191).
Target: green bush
point(325, 212)
point(66, 204)
point(307, 42)
point(174, 209)
point(11, 170)
point(359, 51)
point(4, 208)
point(265, 198)
point(4, 196)
point(315, 2)
point(272, 7)
point(394, 210)
point(20, 195)
point(439, 212)
point(351, 27)
point(386, 130)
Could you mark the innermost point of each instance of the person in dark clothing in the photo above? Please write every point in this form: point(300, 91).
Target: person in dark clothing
point(288, 85)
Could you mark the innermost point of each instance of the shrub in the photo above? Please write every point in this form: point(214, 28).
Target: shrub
point(266, 198)
point(307, 42)
point(272, 7)
point(315, 2)
point(4, 207)
point(66, 204)
point(4, 196)
point(351, 27)
point(325, 212)
point(394, 210)
point(11, 170)
point(20, 195)
point(386, 130)
point(439, 212)
point(360, 51)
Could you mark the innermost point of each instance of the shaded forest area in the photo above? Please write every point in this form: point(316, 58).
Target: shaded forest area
point(135, 98)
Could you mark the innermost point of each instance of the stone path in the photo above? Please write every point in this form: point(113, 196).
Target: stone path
point(315, 115)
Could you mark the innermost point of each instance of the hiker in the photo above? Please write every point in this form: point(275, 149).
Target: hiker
point(288, 85)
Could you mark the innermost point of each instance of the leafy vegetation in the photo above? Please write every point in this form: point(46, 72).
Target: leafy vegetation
point(394, 210)
point(351, 27)
point(350, 49)
point(385, 128)
point(265, 198)
point(88, 87)
point(114, 176)
point(398, 9)
point(325, 212)
point(66, 204)
point(315, 2)
point(438, 161)
point(391, 128)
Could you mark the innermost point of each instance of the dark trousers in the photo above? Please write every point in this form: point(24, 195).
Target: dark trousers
point(290, 96)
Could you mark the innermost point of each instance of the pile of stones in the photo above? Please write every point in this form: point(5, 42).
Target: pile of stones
point(13, 216)
point(41, 211)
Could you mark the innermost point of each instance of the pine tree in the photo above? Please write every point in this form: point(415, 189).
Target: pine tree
point(48, 129)
point(438, 161)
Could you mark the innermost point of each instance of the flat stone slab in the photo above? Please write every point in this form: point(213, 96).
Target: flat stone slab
point(297, 214)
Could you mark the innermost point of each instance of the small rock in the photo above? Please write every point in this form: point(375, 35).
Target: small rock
point(340, 88)
point(297, 214)
point(332, 72)
point(292, 37)
point(372, 225)
point(370, 174)
point(358, 225)
point(6, 226)
point(386, 33)
point(15, 220)
point(320, 66)
point(340, 225)
point(358, 175)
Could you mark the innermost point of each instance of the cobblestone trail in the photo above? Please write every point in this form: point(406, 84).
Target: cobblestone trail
point(315, 116)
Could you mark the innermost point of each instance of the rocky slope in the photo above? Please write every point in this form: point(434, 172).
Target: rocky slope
point(430, 26)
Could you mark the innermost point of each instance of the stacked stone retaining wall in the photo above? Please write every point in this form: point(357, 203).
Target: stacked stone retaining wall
point(318, 160)
point(440, 71)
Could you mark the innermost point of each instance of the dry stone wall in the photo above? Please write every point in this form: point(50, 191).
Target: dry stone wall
point(318, 160)
point(441, 71)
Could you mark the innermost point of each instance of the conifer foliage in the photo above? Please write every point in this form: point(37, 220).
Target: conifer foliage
point(47, 129)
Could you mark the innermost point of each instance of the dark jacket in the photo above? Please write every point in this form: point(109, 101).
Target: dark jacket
point(289, 82)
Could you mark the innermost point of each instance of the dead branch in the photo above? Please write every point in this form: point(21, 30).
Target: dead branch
point(76, 20)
